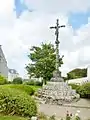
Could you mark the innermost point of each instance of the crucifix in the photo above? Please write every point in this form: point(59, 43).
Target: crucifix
point(57, 42)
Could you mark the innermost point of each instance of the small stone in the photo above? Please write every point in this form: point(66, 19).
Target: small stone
point(34, 118)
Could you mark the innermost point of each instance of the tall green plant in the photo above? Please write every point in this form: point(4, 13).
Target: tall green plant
point(3, 80)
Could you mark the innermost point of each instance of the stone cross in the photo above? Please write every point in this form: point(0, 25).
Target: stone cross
point(57, 42)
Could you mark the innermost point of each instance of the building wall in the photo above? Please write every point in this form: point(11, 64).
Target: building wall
point(80, 81)
point(11, 76)
point(88, 73)
point(3, 64)
point(12, 73)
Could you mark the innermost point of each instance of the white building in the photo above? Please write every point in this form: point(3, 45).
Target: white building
point(12, 73)
point(80, 81)
point(3, 64)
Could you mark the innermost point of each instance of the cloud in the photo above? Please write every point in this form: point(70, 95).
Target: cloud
point(18, 35)
point(6, 7)
point(20, 7)
point(79, 55)
point(54, 6)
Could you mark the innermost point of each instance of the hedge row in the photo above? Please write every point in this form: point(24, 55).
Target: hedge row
point(34, 83)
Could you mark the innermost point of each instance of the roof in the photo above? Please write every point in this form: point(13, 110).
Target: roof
point(13, 71)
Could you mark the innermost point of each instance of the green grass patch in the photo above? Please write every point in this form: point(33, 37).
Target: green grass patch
point(35, 88)
point(11, 118)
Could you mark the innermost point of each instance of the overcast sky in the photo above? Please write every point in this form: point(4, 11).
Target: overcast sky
point(24, 23)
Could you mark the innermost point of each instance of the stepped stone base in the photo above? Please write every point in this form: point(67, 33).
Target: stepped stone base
point(58, 93)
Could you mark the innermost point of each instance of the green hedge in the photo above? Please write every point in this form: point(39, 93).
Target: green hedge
point(36, 83)
point(17, 80)
point(24, 88)
point(15, 102)
point(83, 90)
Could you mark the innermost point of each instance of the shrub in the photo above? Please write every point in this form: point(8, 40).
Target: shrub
point(24, 88)
point(83, 90)
point(15, 102)
point(17, 80)
point(3, 80)
point(76, 87)
point(31, 82)
point(87, 88)
point(36, 83)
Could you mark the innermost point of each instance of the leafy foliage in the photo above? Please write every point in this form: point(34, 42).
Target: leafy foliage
point(35, 83)
point(17, 80)
point(35, 88)
point(52, 117)
point(42, 116)
point(31, 82)
point(83, 90)
point(13, 102)
point(23, 88)
point(77, 73)
point(74, 86)
point(3, 80)
point(43, 61)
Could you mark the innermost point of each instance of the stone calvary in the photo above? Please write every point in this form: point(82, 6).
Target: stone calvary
point(57, 91)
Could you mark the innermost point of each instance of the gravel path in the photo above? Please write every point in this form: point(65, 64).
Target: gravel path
point(60, 111)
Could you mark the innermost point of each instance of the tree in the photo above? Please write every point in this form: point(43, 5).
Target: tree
point(43, 60)
point(77, 73)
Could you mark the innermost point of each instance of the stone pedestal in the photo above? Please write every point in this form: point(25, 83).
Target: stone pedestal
point(58, 93)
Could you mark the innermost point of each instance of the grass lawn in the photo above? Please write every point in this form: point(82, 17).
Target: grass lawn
point(11, 118)
point(22, 86)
